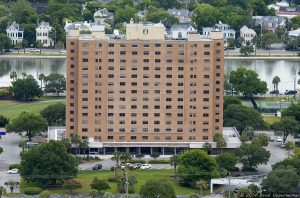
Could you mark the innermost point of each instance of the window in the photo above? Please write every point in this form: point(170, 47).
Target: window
point(146, 60)
point(168, 138)
point(85, 68)
point(157, 45)
point(85, 60)
point(133, 75)
point(157, 68)
point(146, 52)
point(134, 52)
point(169, 45)
point(111, 45)
point(157, 53)
point(111, 75)
point(206, 45)
point(206, 115)
point(122, 52)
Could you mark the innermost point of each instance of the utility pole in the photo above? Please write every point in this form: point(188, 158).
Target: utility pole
point(126, 183)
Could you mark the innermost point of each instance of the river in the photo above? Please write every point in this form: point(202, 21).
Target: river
point(267, 69)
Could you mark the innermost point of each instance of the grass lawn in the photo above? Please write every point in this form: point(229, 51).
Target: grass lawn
point(85, 178)
point(271, 119)
point(12, 108)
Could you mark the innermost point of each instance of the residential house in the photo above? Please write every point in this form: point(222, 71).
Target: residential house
point(294, 34)
point(270, 23)
point(183, 15)
point(224, 28)
point(15, 33)
point(248, 35)
point(288, 12)
point(277, 5)
point(181, 30)
point(42, 34)
point(102, 14)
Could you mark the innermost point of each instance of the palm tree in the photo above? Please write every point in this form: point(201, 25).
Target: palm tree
point(175, 160)
point(13, 75)
point(76, 140)
point(2, 191)
point(275, 82)
point(41, 78)
point(244, 138)
point(116, 157)
point(207, 147)
point(67, 143)
point(289, 146)
point(24, 74)
point(126, 156)
point(85, 145)
point(202, 185)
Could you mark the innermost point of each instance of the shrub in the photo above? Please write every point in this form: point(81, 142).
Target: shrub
point(1, 150)
point(45, 194)
point(159, 162)
point(32, 191)
point(12, 166)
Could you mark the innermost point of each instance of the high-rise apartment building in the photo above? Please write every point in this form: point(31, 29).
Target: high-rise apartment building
point(141, 92)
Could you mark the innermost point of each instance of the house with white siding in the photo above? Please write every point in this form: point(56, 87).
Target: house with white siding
point(42, 34)
point(15, 33)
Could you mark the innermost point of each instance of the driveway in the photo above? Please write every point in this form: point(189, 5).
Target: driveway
point(10, 155)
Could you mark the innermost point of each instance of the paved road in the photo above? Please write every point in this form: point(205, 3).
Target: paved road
point(263, 52)
point(10, 155)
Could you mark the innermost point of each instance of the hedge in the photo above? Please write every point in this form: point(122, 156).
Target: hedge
point(32, 191)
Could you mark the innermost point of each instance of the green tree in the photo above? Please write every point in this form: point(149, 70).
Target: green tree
point(207, 147)
point(262, 139)
point(126, 156)
point(75, 139)
point(226, 161)
point(249, 131)
point(220, 141)
point(292, 111)
point(1, 150)
point(117, 158)
point(275, 82)
point(11, 185)
point(244, 138)
point(175, 161)
point(67, 143)
point(139, 156)
point(22, 11)
point(55, 83)
point(85, 145)
point(13, 75)
point(289, 146)
point(26, 88)
point(246, 81)
point(282, 179)
point(41, 78)
point(2, 191)
point(268, 39)
point(28, 122)
point(241, 116)
point(71, 185)
point(287, 126)
point(202, 185)
point(155, 155)
point(251, 155)
point(246, 50)
point(48, 163)
point(99, 185)
point(157, 189)
point(205, 15)
point(156, 15)
point(55, 114)
point(22, 145)
point(3, 121)
point(125, 14)
point(228, 100)
point(195, 165)
point(5, 42)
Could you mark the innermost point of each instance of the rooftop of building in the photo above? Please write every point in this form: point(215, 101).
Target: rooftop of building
point(133, 31)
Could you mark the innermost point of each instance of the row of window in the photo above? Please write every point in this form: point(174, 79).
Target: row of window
point(180, 107)
point(146, 45)
point(180, 53)
point(146, 60)
point(154, 138)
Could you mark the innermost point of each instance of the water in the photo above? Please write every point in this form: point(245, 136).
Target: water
point(267, 69)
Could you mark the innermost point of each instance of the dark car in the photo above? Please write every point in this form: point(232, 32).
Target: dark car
point(274, 92)
point(290, 92)
point(97, 167)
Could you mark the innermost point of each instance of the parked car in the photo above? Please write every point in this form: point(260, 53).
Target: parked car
point(13, 171)
point(274, 92)
point(145, 166)
point(279, 139)
point(122, 166)
point(282, 145)
point(97, 167)
point(137, 166)
point(34, 50)
point(62, 51)
point(94, 153)
point(271, 139)
point(290, 92)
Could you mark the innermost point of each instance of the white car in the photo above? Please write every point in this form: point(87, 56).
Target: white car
point(62, 51)
point(34, 50)
point(279, 139)
point(145, 166)
point(13, 171)
point(123, 166)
